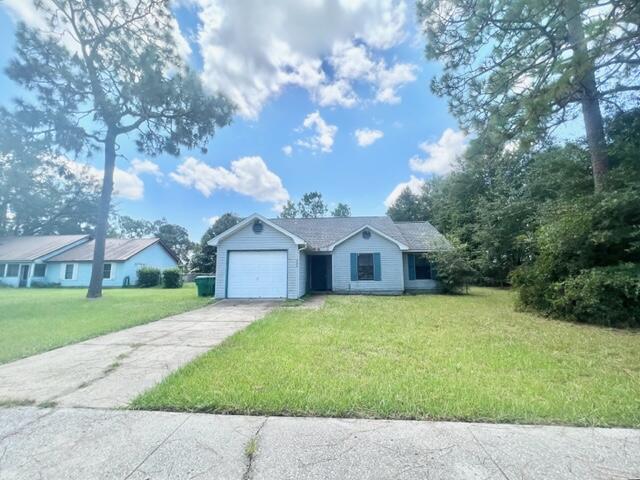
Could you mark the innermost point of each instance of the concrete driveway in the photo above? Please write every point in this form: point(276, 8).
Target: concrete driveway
point(111, 370)
point(117, 444)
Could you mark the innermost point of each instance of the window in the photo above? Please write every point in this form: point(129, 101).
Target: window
point(13, 269)
point(39, 270)
point(2, 268)
point(68, 271)
point(422, 267)
point(365, 266)
point(106, 271)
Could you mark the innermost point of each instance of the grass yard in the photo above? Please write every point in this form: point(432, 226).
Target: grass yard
point(418, 357)
point(35, 320)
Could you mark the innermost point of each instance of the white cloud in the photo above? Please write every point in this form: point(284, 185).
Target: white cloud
point(287, 43)
point(287, 150)
point(324, 133)
point(338, 93)
point(388, 80)
point(126, 184)
point(248, 176)
point(442, 156)
point(414, 184)
point(366, 136)
point(354, 63)
point(351, 61)
point(146, 167)
point(211, 220)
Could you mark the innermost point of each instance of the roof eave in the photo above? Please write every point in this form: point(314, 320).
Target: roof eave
point(400, 245)
point(230, 231)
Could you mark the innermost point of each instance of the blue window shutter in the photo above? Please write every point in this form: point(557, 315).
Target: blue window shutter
point(354, 267)
point(412, 266)
point(377, 272)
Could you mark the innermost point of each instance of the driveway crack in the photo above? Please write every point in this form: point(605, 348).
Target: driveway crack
point(157, 447)
point(487, 453)
point(250, 451)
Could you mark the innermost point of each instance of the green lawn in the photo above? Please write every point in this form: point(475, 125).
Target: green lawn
point(417, 357)
point(36, 320)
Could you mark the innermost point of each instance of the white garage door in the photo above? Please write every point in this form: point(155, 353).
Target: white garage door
point(257, 274)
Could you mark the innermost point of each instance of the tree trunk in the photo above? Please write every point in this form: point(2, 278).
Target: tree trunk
point(100, 235)
point(585, 73)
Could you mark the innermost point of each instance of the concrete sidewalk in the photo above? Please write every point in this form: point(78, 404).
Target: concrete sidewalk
point(107, 444)
point(110, 370)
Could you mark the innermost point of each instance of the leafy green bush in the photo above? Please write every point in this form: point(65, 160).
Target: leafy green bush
point(172, 278)
point(587, 253)
point(603, 295)
point(453, 270)
point(148, 277)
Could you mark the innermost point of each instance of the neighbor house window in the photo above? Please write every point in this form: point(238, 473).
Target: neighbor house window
point(13, 269)
point(423, 268)
point(2, 268)
point(365, 266)
point(68, 271)
point(106, 271)
point(39, 270)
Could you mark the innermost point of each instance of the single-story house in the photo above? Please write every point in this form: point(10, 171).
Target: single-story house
point(286, 258)
point(65, 260)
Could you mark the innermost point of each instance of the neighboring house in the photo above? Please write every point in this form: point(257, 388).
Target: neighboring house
point(66, 260)
point(286, 258)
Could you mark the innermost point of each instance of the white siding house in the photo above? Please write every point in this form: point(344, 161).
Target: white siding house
point(286, 258)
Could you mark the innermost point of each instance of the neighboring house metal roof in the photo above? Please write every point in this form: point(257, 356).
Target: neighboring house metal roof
point(322, 233)
point(116, 250)
point(30, 248)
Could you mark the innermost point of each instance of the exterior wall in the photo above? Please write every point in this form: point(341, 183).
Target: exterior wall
point(268, 239)
point(302, 283)
point(154, 256)
point(418, 285)
point(391, 278)
point(14, 281)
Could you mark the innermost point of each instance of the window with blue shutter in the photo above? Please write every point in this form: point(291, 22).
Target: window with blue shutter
point(377, 268)
point(354, 267)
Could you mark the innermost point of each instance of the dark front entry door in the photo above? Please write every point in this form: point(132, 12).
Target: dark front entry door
point(320, 268)
point(24, 275)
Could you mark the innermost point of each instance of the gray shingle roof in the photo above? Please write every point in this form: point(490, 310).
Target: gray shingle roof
point(320, 233)
point(116, 250)
point(29, 248)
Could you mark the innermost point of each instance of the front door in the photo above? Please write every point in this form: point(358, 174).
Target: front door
point(320, 278)
point(24, 275)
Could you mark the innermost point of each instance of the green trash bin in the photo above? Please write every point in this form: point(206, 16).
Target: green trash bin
point(206, 285)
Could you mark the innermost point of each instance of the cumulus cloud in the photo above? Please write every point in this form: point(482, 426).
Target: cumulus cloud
point(366, 136)
point(211, 220)
point(442, 156)
point(338, 93)
point(414, 185)
point(126, 184)
point(390, 79)
point(247, 176)
point(288, 42)
point(324, 134)
point(146, 167)
point(287, 150)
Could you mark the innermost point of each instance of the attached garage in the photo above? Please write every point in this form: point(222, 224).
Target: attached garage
point(257, 274)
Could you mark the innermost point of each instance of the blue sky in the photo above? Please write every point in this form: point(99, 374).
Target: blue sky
point(355, 80)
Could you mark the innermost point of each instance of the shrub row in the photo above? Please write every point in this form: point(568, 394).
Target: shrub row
point(151, 277)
